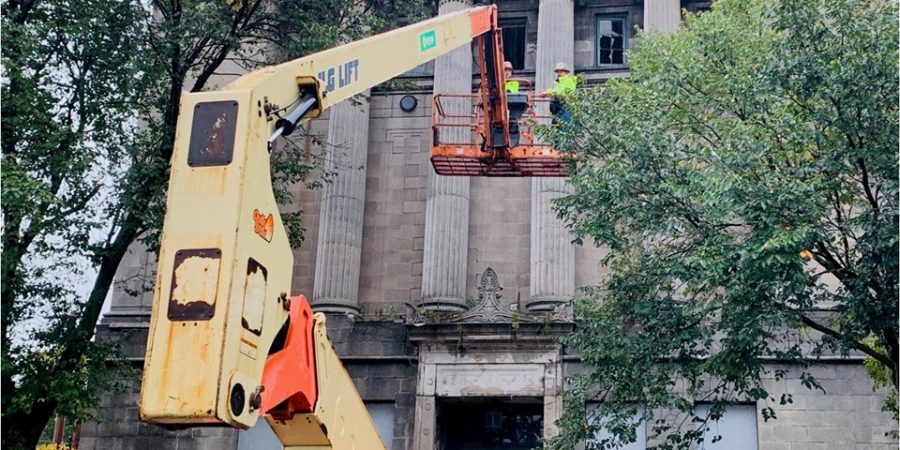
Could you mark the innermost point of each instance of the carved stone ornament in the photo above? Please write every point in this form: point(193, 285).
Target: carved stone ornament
point(563, 312)
point(487, 308)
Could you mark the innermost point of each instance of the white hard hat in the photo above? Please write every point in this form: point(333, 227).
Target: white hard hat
point(508, 65)
point(561, 66)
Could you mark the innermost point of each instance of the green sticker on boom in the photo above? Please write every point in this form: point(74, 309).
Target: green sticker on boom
point(427, 40)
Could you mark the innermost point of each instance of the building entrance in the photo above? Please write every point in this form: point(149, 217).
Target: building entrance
point(490, 423)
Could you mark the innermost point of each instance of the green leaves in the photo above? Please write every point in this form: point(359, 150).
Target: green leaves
point(91, 95)
point(71, 82)
point(744, 179)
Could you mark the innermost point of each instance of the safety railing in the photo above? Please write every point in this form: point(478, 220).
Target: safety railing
point(459, 146)
point(442, 120)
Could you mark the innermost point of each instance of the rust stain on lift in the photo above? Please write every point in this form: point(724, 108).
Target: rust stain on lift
point(195, 279)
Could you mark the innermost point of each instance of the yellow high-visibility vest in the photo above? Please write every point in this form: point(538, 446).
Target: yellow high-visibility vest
point(565, 84)
point(512, 87)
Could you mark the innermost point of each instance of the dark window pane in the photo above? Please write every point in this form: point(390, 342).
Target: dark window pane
point(212, 134)
point(490, 424)
point(605, 43)
point(605, 57)
point(514, 42)
point(611, 34)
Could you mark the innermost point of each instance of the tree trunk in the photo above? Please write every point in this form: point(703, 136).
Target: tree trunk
point(59, 427)
point(76, 436)
point(23, 431)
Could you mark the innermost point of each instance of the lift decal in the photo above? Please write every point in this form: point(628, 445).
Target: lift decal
point(427, 40)
point(341, 75)
point(263, 226)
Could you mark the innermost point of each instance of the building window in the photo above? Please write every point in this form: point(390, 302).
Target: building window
point(490, 423)
point(383, 415)
point(640, 441)
point(260, 436)
point(611, 40)
point(695, 6)
point(737, 427)
point(514, 41)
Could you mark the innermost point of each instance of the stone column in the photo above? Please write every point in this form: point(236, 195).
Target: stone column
point(552, 253)
point(336, 284)
point(662, 15)
point(447, 198)
point(134, 281)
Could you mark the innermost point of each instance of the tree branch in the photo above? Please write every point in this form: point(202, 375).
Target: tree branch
point(838, 209)
point(883, 359)
point(893, 347)
point(78, 205)
point(827, 260)
point(865, 182)
point(81, 334)
point(210, 68)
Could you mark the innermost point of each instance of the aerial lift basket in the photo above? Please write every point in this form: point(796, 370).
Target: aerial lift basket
point(491, 132)
point(459, 146)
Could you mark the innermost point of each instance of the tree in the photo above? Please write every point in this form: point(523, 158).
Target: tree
point(62, 128)
point(744, 178)
point(91, 95)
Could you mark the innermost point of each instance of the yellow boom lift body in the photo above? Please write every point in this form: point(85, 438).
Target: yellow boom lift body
point(227, 344)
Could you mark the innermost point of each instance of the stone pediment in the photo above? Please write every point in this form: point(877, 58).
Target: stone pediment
point(487, 314)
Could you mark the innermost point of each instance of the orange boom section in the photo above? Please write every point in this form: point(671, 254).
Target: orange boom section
point(290, 372)
point(483, 20)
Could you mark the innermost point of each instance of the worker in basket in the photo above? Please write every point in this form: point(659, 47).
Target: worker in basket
point(516, 103)
point(512, 86)
point(563, 87)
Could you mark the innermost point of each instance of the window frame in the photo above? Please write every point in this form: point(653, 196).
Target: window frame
point(751, 410)
point(625, 36)
point(517, 22)
point(640, 441)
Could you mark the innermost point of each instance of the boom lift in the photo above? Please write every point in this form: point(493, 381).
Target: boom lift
point(227, 344)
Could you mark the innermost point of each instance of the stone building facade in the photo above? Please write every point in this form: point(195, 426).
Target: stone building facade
point(444, 293)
